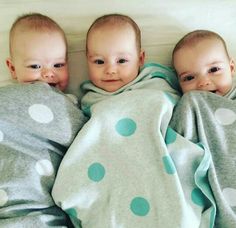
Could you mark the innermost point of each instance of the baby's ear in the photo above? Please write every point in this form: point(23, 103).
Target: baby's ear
point(11, 68)
point(142, 57)
point(232, 66)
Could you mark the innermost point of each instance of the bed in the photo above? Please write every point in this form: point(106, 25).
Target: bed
point(162, 24)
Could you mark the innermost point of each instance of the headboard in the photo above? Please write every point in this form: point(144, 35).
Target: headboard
point(162, 24)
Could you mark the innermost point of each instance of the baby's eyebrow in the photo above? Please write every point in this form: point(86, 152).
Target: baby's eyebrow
point(216, 62)
point(184, 73)
point(94, 56)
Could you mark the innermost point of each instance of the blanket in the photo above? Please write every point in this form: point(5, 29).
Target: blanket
point(126, 167)
point(37, 125)
point(208, 118)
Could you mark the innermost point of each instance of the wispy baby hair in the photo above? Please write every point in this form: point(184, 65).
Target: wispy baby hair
point(116, 19)
point(35, 22)
point(195, 36)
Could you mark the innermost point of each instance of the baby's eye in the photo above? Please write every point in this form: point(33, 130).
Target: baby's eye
point(99, 61)
point(34, 66)
point(59, 65)
point(214, 69)
point(122, 61)
point(187, 78)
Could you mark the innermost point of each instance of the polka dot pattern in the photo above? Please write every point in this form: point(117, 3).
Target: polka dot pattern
point(44, 167)
point(140, 206)
point(225, 116)
point(171, 136)
point(3, 197)
point(41, 113)
point(169, 165)
point(35, 131)
point(96, 172)
point(126, 127)
point(102, 164)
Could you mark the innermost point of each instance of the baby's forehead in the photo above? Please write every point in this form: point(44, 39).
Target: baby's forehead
point(109, 26)
point(201, 45)
point(198, 42)
point(25, 33)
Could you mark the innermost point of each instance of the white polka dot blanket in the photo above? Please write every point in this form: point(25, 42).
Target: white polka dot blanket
point(37, 125)
point(211, 119)
point(126, 167)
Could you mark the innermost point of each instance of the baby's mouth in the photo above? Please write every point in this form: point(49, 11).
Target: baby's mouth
point(213, 91)
point(52, 84)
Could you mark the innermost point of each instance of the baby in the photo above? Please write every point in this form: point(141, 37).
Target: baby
point(202, 62)
point(113, 51)
point(38, 123)
point(38, 51)
point(206, 111)
point(113, 174)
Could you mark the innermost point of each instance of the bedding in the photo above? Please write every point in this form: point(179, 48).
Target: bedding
point(37, 125)
point(208, 118)
point(127, 167)
point(161, 28)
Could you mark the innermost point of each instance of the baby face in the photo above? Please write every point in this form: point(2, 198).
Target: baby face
point(204, 66)
point(113, 58)
point(39, 56)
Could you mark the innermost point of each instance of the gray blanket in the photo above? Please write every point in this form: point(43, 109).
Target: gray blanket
point(210, 119)
point(37, 125)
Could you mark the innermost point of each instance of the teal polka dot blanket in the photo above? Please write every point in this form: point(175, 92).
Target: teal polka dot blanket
point(37, 125)
point(127, 167)
point(210, 119)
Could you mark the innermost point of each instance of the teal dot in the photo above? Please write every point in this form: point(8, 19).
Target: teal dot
point(168, 164)
point(126, 127)
point(96, 172)
point(171, 136)
point(198, 197)
point(139, 206)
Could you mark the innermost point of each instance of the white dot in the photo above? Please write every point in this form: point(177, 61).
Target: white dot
point(44, 167)
point(230, 196)
point(225, 116)
point(3, 197)
point(40, 113)
point(1, 136)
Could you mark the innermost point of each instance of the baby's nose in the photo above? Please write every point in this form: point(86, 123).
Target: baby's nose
point(203, 82)
point(48, 74)
point(111, 69)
